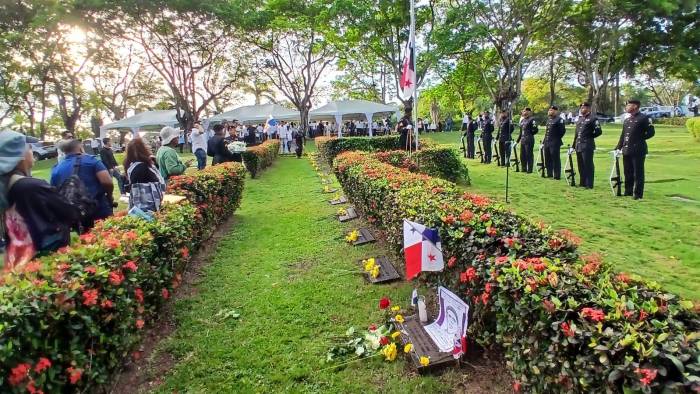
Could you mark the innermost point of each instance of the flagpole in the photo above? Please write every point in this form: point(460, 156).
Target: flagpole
point(415, 56)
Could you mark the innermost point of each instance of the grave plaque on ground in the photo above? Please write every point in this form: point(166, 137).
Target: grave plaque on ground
point(387, 271)
point(329, 190)
point(365, 237)
point(350, 215)
point(338, 201)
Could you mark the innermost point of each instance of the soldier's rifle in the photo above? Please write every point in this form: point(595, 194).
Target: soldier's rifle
point(540, 162)
point(569, 168)
point(464, 147)
point(514, 155)
point(480, 151)
point(495, 149)
point(615, 179)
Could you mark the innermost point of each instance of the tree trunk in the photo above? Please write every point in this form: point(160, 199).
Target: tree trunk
point(552, 80)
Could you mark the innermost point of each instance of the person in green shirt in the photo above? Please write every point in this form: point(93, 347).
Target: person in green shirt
point(168, 161)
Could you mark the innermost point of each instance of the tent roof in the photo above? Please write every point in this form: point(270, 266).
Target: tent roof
point(257, 113)
point(147, 118)
point(351, 107)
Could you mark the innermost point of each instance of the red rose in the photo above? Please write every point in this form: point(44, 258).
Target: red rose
point(42, 364)
point(130, 265)
point(384, 303)
point(623, 277)
point(116, 278)
point(384, 341)
point(372, 327)
point(90, 297)
point(18, 374)
point(74, 374)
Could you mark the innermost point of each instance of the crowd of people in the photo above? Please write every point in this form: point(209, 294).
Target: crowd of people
point(632, 146)
point(81, 186)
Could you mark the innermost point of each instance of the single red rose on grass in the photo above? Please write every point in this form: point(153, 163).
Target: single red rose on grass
point(384, 303)
point(372, 327)
point(384, 341)
point(42, 364)
point(18, 374)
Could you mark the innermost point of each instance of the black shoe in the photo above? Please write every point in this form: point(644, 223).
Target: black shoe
point(637, 197)
point(557, 179)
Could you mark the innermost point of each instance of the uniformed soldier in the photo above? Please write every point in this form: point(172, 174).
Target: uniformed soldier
point(487, 136)
point(587, 129)
point(471, 128)
point(405, 127)
point(505, 136)
point(635, 131)
point(552, 142)
point(526, 139)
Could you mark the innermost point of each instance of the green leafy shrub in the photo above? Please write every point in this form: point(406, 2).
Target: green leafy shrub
point(69, 319)
point(329, 147)
point(693, 126)
point(566, 323)
point(673, 121)
point(259, 157)
point(438, 161)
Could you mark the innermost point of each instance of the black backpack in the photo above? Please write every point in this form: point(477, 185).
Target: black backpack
point(73, 189)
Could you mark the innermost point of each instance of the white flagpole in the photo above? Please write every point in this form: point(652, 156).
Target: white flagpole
point(415, 69)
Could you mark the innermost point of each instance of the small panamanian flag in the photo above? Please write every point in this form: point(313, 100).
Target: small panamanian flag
point(421, 248)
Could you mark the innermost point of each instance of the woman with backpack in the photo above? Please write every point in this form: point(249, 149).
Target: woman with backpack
point(146, 184)
point(33, 225)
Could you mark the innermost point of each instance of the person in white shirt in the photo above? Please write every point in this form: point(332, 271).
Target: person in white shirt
point(284, 137)
point(198, 141)
point(95, 145)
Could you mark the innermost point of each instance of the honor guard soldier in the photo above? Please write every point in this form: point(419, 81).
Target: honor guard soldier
point(505, 137)
point(526, 139)
point(471, 127)
point(587, 129)
point(636, 130)
point(552, 142)
point(487, 136)
point(405, 129)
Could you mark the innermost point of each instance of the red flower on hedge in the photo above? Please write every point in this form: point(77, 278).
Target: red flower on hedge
point(491, 232)
point(383, 341)
point(116, 278)
point(42, 364)
point(567, 330)
point(517, 386)
point(138, 295)
point(451, 262)
point(88, 238)
point(31, 388)
point(91, 270)
point(623, 277)
point(449, 219)
point(643, 315)
point(485, 298)
point(107, 304)
point(63, 267)
point(112, 243)
point(372, 327)
point(555, 243)
point(130, 235)
point(468, 275)
point(502, 260)
point(185, 253)
point(384, 303)
point(549, 306)
point(18, 374)
point(32, 266)
point(74, 374)
point(165, 293)
point(130, 265)
point(593, 314)
point(466, 216)
point(139, 323)
point(90, 297)
point(509, 242)
point(485, 217)
point(647, 375)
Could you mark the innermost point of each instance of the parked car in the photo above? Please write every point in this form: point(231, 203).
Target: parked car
point(658, 111)
point(42, 149)
point(603, 118)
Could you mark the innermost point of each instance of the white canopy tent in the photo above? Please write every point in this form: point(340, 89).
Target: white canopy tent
point(257, 114)
point(351, 109)
point(147, 118)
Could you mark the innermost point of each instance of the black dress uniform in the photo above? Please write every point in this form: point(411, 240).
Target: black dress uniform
point(404, 131)
point(487, 137)
point(472, 126)
point(526, 139)
point(587, 129)
point(636, 130)
point(552, 144)
point(505, 136)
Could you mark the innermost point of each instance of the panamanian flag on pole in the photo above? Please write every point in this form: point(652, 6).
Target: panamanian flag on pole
point(408, 69)
point(422, 249)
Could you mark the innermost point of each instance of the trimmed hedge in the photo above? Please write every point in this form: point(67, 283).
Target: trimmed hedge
point(440, 162)
point(566, 323)
point(329, 147)
point(259, 157)
point(69, 319)
point(693, 126)
point(673, 121)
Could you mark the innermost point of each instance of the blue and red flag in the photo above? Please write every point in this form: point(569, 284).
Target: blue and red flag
point(422, 249)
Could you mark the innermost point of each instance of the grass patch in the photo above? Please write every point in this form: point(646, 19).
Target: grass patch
point(657, 237)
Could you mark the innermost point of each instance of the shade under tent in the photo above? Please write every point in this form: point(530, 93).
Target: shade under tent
point(143, 119)
point(351, 109)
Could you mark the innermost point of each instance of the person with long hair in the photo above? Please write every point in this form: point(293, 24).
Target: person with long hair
point(35, 217)
point(145, 181)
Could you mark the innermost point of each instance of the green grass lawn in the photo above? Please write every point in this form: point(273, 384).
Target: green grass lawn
point(282, 268)
point(657, 237)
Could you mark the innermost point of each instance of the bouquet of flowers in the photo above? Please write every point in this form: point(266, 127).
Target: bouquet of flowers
point(236, 147)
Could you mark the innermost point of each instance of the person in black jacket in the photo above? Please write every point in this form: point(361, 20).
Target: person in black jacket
point(552, 143)
point(216, 147)
point(405, 127)
point(505, 136)
point(487, 136)
point(636, 130)
point(587, 129)
point(526, 139)
point(107, 157)
point(471, 127)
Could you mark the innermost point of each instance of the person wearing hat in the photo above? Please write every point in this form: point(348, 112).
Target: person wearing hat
point(526, 139)
point(405, 127)
point(587, 130)
point(470, 133)
point(552, 142)
point(487, 136)
point(33, 225)
point(167, 158)
point(505, 136)
point(636, 130)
